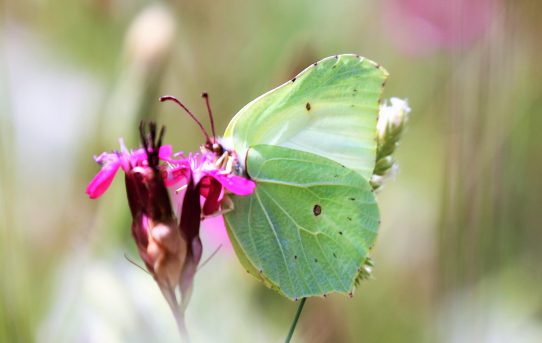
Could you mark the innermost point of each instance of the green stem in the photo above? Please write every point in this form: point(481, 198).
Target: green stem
point(294, 323)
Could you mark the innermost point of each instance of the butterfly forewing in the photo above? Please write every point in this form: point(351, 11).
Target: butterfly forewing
point(329, 109)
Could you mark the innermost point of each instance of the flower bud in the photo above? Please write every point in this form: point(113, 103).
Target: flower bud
point(162, 243)
point(391, 122)
point(392, 117)
point(154, 226)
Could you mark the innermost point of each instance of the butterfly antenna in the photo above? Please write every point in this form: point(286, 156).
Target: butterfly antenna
point(205, 95)
point(175, 100)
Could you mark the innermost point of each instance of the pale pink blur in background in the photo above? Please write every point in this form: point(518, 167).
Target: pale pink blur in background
point(420, 27)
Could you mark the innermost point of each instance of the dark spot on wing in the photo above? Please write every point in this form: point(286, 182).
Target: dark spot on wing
point(308, 106)
point(353, 199)
point(317, 210)
point(350, 219)
point(315, 260)
point(355, 90)
point(295, 257)
point(340, 233)
point(334, 255)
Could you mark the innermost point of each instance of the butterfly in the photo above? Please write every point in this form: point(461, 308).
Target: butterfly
point(310, 147)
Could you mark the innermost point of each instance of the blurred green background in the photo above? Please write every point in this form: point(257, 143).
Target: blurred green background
point(458, 257)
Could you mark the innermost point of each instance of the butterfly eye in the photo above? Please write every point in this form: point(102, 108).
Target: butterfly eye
point(217, 149)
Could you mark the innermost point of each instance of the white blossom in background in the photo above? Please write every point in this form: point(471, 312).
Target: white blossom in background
point(151, 36)
point(392, 120)
point(393, 115)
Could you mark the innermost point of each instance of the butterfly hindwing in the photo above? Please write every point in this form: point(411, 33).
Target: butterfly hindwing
point(329, 109)
point(307, 228)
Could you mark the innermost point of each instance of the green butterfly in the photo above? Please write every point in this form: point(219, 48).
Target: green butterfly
point(310, 146)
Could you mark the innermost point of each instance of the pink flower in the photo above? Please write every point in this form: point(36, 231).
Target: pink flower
point(112, 161)
point(170, 245)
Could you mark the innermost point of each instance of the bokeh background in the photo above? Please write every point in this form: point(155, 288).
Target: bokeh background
point(459, 254)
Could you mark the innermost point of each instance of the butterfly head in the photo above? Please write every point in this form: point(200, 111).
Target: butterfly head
point(212, 145)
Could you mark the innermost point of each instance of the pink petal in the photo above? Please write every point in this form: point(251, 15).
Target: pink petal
point(236, 184)
point(165, 152)
point(214, 235)
point(106, 157)
point(137, 157)
point(101, 182)
point(211, 189)
point(175, 174)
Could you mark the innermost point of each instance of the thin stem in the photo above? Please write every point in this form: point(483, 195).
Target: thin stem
point(181, 325)
point(294, 323)
point(171, 299)
point(209, 258)
point(129, 259)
